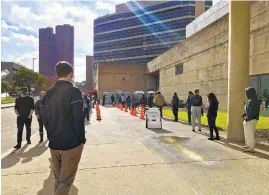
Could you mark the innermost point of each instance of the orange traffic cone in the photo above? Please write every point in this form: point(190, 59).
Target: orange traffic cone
point(125, 109)
point(121, 107)
point(98, 115)
point(132, 111)
point(97, 107)
point(142, 115)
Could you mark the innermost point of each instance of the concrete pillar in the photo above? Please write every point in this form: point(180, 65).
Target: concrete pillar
point(238, 66)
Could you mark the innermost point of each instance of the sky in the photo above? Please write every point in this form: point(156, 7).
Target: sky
point(20, 21)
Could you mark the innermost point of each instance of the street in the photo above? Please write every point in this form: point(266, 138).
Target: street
point(121, 156)
point(9, 129)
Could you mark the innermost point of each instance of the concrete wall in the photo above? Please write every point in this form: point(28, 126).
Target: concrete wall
point(124, 77)
point(205, 57)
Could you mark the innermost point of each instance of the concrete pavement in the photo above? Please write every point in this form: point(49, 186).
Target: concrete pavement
point(121, 156)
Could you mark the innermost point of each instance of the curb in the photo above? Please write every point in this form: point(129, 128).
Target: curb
point(7, 107)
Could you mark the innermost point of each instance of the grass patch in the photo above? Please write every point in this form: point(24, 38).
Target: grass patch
point(221, 121)
point(7, 100)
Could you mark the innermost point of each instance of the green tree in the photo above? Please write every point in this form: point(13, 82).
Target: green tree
point(5, 87)
point(26, 78)
point(265, 94)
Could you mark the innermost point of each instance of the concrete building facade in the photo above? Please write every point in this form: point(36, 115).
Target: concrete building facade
point(11, 67)
point(112, 77)
point(201, 61)
point(55, 47)
point(140, 31)
point(89, 72)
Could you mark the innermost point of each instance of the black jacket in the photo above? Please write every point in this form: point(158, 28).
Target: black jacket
point(212, 109)
point(38, 105)
point(196, 100)
point(24, 105)
point(63, 117)
point(150, 100)
point(128, 100)
point(143, 101)
point(175, 102)
point(252, 107)
point(189, 102)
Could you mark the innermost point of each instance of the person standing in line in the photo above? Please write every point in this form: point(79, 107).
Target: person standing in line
point(189, 106)
point(159, 102)
point(213, 106)
point(38, 106)
point(64, 121)
point(143, 102)
point(24, 108)
point(86, 107)
point(112, 100)
point(175, 105)
point(150, 100)
point(104, 100)
point(129, 102)
point(251, 116)
point(123, 100)
point(196, 109)
point(134, 101)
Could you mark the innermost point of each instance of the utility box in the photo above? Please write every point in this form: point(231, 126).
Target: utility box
point(153, 118)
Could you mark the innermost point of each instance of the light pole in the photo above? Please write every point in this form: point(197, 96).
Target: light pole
point(34, 64)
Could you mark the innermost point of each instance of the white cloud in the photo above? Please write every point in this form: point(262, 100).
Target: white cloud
point(6, 39)
point(26, 39)
point(101, 5)
point(4, 25)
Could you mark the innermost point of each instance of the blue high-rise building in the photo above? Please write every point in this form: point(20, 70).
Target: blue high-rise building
point(139, 31)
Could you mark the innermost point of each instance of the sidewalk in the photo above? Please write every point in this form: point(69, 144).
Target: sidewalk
point(122, 157)
point(7, 105)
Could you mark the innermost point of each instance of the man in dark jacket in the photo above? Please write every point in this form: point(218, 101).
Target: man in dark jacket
point(104, 100)
point(251, 116)
point(175, 105)
point(112, 100)
point(189, 106)
point(143, 102)
point(150, 100)
point(196, 109)
point(38, 106)
point(24, 108)
point(63, 116)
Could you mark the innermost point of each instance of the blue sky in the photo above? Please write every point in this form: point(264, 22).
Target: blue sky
point(20, 21)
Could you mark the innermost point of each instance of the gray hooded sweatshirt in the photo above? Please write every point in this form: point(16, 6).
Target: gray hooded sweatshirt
point(252, 107)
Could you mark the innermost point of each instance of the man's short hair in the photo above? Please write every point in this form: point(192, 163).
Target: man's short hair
point(63, 69)
point(196, 91)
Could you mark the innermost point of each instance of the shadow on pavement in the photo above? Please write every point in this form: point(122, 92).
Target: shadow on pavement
point(238, 146)
point(13, 158)
point(38, 150)
point(160, 131)
point(48, 185)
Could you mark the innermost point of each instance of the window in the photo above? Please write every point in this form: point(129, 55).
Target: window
point(179, 69)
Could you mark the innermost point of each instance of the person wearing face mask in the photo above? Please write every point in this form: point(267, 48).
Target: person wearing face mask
point(38, 105)
point(24, 108)
point(64, 120)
